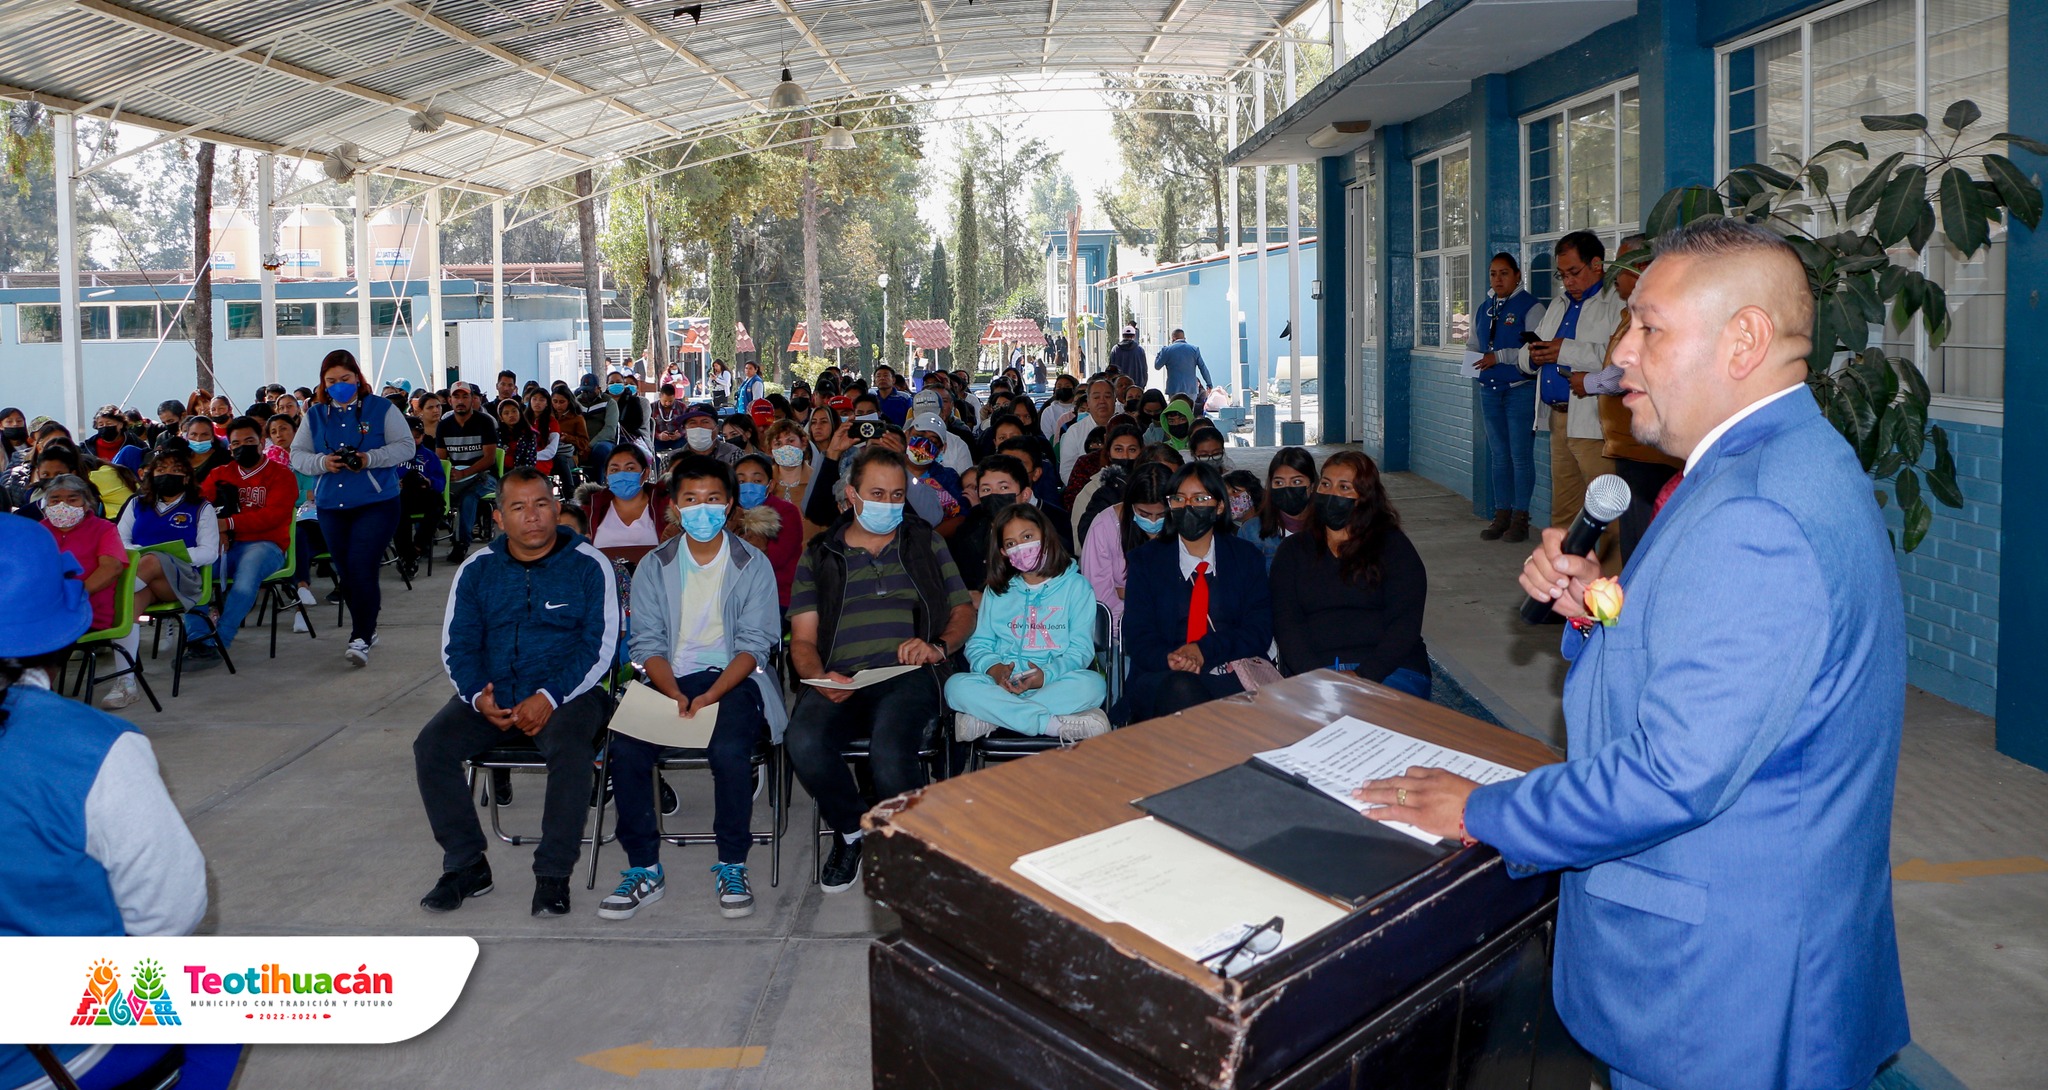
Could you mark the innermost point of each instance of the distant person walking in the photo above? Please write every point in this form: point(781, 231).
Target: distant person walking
point(1182, 362)
point(1128, 357)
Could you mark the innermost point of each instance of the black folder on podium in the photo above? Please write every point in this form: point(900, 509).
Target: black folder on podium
point(1276, 822)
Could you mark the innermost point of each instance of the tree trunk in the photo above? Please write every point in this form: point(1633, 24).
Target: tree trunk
point(199, 312)
point(967, 280)
point(814, 295)
point(593, 284)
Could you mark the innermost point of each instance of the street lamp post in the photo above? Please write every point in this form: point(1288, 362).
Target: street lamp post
point(883, 282)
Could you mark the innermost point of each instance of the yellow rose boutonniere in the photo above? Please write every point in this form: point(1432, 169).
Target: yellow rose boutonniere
point(1603, 601)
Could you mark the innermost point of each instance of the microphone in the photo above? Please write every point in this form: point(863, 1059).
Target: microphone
point(1606, 499)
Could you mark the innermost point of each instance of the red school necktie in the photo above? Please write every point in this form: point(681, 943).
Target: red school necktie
point(1198, 604)
point(1664, 493)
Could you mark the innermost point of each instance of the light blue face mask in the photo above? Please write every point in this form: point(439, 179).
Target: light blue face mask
point(623, 485)
point(200, 446)
point(1150, 526)
point(753, 494)
point(703, 521)
point(880, 518)
point(616, 388)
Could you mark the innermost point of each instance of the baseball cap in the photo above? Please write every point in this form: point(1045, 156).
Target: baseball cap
point(928, 422)
point(842, 403)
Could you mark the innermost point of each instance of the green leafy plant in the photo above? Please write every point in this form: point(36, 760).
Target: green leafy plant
point(1860, 252)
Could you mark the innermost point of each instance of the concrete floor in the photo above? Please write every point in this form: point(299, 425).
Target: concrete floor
point(296, 777)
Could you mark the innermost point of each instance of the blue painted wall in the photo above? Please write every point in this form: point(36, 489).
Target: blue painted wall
point(1965, 606)
point(1205, 312)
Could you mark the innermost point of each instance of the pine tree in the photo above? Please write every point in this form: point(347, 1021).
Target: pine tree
point(938, 300)
point(724, 332)
point(967, 289)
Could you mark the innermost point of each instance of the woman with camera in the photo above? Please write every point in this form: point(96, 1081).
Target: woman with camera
point(354, 444)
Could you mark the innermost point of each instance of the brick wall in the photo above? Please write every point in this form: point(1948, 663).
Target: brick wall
point(1440, 442)
point(1374, 438)
point(1951, 581)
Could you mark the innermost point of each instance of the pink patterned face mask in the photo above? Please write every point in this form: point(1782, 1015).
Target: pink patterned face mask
point(1025, 555)
point(1240, 505)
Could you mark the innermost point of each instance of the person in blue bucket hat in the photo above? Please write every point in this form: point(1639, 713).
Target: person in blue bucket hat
point(95, 845)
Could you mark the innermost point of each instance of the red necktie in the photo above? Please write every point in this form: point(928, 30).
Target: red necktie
point(1664, 493)
point(1198, 604)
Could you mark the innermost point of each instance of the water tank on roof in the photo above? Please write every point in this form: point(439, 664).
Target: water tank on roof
point(396, 252)
point(313, 244)
point(235, 249)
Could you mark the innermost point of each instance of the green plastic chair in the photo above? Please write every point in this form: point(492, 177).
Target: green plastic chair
point(174, 612)
point(111, 636)
point(279, 594)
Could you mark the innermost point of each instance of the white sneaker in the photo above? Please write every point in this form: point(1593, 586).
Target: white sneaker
point(298, 622)
point(1088, 724)
point(358, 653)
point(306, 597)
point(122, 693)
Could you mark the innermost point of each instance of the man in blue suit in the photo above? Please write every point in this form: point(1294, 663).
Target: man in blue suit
point(1724, 821)
point(1181, 362)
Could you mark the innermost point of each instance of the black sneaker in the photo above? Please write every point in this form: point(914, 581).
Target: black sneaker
point(550, 896)
point(407, 569)
point(457, 886)
point(501, 785)
point(460, 550)
point(842, 867)
point(335, 596)
point(669, 803)
point(735, 897)
point(200, 656)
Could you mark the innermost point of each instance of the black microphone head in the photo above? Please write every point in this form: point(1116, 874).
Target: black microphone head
point(1607, 498)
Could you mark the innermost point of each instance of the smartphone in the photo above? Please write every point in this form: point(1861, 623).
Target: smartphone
point(1530, 337)
point(867, 430)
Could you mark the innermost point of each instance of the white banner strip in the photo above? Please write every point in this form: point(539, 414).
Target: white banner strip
point(230, 990)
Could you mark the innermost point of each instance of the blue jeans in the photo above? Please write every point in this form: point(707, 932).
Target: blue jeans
point(244, 568)
point(740, 726)
point(1511, 443)
point(465, 494)
point(1409, 681)
point(356, 539)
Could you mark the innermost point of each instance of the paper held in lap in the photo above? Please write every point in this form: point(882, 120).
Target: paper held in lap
point(862, 679)
point(1174, 888)
point(651, 717)
point(1338, 758)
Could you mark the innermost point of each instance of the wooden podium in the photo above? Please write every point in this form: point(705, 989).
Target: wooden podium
point(994, 983)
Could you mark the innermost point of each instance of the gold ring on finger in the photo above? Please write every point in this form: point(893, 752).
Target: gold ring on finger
point(1401, 796)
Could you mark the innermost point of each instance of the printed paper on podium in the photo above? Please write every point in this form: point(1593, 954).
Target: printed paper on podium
point(1338, 758)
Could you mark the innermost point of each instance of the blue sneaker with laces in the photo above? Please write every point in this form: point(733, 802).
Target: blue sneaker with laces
point(735, 898)
point(637, 886)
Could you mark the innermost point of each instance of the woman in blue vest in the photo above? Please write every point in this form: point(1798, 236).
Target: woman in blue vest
point(354, 444)
point(95, 846)
point(1507, 395)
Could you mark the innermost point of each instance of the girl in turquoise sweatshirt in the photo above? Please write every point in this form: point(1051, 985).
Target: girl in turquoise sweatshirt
point(1034, 640)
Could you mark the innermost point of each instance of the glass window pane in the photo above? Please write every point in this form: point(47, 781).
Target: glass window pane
point(387, 315)
point(1457, 200)
point(1765, 103)
point(174, 320)
point(136, 323)
point(1546, 208)
point(38, 323)
point(95, 323)
point(1591, 135)
point(1458, 298)
point(1426, 206)
point(1428, 312)
point(245, 321)
point(1971, 362)
point(338, 319)
point(296, 320)
point(1863, 63)
point(1542, 269)
point(1631, 156)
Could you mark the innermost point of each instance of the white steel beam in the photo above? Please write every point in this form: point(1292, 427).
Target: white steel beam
point(1293, 252)
point(817, 46)
point(266, 244)
point(498, 284)
point(365, 345)
point(69, 330)
point(681, 51)
point(931, 27)
point(1173, 11)
point(437, 334)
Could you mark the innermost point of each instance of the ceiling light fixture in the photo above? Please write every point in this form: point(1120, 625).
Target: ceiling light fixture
point(838, 137)
point(787, 95)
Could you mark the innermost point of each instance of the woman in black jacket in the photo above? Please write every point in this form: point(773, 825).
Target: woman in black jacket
point(1349, 590)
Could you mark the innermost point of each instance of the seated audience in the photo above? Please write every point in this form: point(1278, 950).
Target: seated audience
point(1348, 591)
point(532, 631)
point(874, 590)
point(768, 522)
point(1119, 456)
point(627, 516)
point(1284, 511)
point(1177, 422)
point(174, 515)
point(421, 485)
point(254, 499)
point(88, 537)
point(1032, 656)
point(1121, 527)
point(1206, 445)
point(705, 622)
point(1195, 605)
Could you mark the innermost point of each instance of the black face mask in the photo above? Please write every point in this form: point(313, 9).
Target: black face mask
point(168, 485)
point(1178, 428)
point(15, 435)
point(247, 457)
point(1335, 510)
point(1293, 499)
point(995, 504)
point(1125, 464)
point(109, 431)
point(1063, 394)
point(1192, 522)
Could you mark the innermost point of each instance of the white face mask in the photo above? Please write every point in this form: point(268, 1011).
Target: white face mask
point(63, 515)
point(700, 439)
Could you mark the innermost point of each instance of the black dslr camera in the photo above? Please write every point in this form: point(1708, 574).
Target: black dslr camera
point(227, 500)
point(350, 457)
point(868, 430)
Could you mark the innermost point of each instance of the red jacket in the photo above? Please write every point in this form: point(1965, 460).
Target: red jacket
point(269, 494)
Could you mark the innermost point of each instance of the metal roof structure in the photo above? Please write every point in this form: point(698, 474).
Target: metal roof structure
point(1013, 331)
point(928, 333)
point(838, 334)
point(499, 96)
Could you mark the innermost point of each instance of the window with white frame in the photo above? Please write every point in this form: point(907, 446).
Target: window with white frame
point(1443, 248)
point(1581, 171)
point(1800, 86)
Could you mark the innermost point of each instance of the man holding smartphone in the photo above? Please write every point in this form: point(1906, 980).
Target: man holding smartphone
point(1573, 343)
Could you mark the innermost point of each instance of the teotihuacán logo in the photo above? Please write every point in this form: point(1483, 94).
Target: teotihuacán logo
point(143, 1004)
